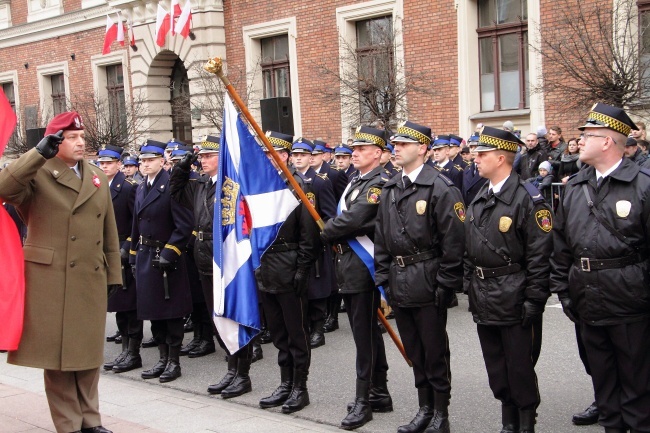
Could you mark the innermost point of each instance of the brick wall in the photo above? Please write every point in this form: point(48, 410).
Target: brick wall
point(18, 12)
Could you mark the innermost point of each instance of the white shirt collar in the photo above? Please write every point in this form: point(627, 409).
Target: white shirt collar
point(443, 163)
point(214, 178)
point(608, 172)
point(496, 188)
point(414, 174)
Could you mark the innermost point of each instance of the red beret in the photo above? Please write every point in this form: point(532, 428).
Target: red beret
point(68, 121)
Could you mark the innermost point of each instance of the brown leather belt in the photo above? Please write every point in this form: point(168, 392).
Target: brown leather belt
point(587, 264)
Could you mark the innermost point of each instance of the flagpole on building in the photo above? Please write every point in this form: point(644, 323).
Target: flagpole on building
point(215, 66)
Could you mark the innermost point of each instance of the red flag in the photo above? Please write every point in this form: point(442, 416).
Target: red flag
point(185, 20)
point(110, 36)
point(162, 25)
point(176, 12)
point(12, 277)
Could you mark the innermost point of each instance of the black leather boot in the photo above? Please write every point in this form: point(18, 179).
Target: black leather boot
point(160, 366)
point(317, 338)
point(205, 347)
point(588, 416)
point(241, 383)
point(510, 419)
point(440, 421)
point(125, 348)
point(331, 324)
point(360, 413)
point(378, 395)
point(299, 397)
point(132, 359)
point(185, 350)
point(227, 379)
point(118, 339)
point(258, 353)
point(527, 420)
point(281, 393)
point(424, 415)
point(113, 336)
point(173, 369)
point(149, 343)
point(189, 325)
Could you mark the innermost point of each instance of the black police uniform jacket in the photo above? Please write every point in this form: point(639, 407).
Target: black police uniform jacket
point(362, 200)
point(159, 218)
point(452, 171)
point(297, 246)
point(338, 178)
point(391, 170)
point(517, 223)
point(427, 216)
point(472, 183)
point(459, 161)
point(123, 196)
point(321, 196)
point(604, 296)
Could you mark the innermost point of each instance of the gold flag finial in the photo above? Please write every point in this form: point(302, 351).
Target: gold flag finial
point(214, 66)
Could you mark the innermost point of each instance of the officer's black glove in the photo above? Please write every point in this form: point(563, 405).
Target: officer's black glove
point(301, 281)
point(185, 164)
point(124, 255)
point(49, 145)
point(389, 293)
point(441, 299)
point(113, 288)
point(133, 270)
point(567, 307)
point(166, 266)
point(530, 312)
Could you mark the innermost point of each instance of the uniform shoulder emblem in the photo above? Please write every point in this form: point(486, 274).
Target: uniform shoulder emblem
point(448, 181)
point(459, 208)
point(312, 198)
point(373, 195)
point(534, 193)
point(544, 220)
point(322, 175)
point(131, 181)
point(458, 167)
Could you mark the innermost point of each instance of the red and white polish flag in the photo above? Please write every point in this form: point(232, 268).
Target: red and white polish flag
point(110, 36)
point(163, 25)
point(184, 21)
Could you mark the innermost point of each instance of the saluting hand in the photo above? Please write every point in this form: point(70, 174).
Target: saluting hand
point(49, 145)
point(187, 161)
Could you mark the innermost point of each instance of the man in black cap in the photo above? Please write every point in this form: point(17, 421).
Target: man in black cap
point(472, 180)
point(419, 246)
point(283, 277)
point(635, 154)
point(160, 234)
point(123, 302)
point(441, 161)
point(600, 268)
point(351, 233)
point(508, 234)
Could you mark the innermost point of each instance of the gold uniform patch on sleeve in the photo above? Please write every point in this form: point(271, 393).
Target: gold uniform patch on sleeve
point(421, 207)
point(373, 195)
point(459, 208)
point(312, 198)
point(504, 224)
point(544, 220)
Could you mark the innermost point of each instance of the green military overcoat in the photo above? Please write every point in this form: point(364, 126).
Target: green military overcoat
point(71, 254)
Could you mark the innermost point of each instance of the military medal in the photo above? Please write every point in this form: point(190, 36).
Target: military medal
point(623, 208)
point(354, 195)
point(421, 207)
point(504, 224)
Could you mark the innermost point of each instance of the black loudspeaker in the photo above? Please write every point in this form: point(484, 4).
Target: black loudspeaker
point(34, 135)
point(277, 115)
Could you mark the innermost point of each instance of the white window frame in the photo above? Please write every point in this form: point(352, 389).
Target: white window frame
point(5, 14)
point(346, 18)
point(41, 9)
point(44, 72)
point(253, 52)
point(12, 77)
point(98, 64)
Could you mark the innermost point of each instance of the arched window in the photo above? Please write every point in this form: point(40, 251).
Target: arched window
point(180, 102)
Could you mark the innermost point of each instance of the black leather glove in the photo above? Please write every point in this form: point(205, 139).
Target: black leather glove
point(530, 312)
point(133, 270)
point(49, 145)
point(124, 255)
point(567, 307)
point(301, 281)
point(388, 292)
point(186, 162)
point(113, 288)
point(441, 299)
point(166, 265)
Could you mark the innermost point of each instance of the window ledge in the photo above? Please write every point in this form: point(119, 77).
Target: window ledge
point(500, 114)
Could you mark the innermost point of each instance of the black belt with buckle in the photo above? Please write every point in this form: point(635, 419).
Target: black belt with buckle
point(151, 242)
point(484, 273)
point(341, 248)
point(403, 261)
point(281, 248)
point(587, 264)
point(204, 236)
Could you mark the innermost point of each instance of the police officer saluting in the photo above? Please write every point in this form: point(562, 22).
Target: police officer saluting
point(353, 227)
point(160, 233)
point(600, 268)
point(419, 246)
point(509, 243)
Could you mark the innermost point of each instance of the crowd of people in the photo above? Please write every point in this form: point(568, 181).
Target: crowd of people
point(411, 219)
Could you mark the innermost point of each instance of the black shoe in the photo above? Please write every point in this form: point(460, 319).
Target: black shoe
point(112, 337)
point(118, 340)
point(317, 337)
point(360, 412)
point(440, 421)
point(149, 343)
point(160, 366)
point(299, 397)
point(265, 336)
point(125, 349)
point(98, 429)
point(188, 326)
point(331, 324)
point(185, 350)
point(282, 392)
point(205, 347)
point(173, 369)
point(588, 416)
point(241, 384)
point(227, 379)
point(510, 419)
point(132, 359)
point(257, 352)
point(419, 423)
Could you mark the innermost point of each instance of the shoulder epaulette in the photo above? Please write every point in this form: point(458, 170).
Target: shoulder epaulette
point(195, 179)
point(322, 175)
point(458, 167)
point(131, 181)
point(448, 181)
point(384, 179)
point(642, 170)
point(534, 193)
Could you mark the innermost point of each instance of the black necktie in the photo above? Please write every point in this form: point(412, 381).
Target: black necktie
point(490, 194)
point(149, 185)
point(209, 183)
point(599, 182)
point(406, 182)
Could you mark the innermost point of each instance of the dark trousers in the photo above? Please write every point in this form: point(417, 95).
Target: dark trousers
point(286, 319)
point(507, 352)
point(424, 335)
point(619, 357)
point(362, 313)
point(202, 318)
point(582, 351)
point(333, 304)
point(128, 324)
point(169, 331)
point(536, 350)
point(317, 310)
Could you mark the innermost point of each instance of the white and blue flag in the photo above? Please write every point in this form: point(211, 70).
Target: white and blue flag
point(253, 204)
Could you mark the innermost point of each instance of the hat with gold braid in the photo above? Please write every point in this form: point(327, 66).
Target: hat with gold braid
point(497, 139)
point(411, 132)
point(210, 144)
point(279, 141)
point(365, 135)
point(606, 116)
